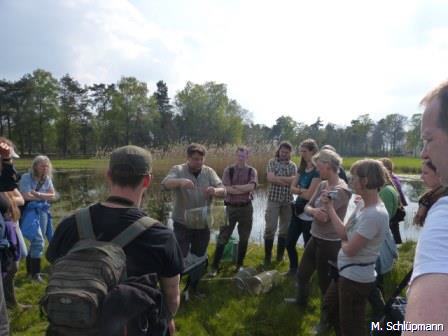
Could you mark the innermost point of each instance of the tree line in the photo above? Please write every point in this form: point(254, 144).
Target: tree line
point(42, 114)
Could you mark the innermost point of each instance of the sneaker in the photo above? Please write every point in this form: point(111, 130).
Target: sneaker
point(213, 273)
point(292, 273)
point(37, 278)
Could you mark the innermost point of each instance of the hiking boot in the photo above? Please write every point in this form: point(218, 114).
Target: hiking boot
point(242, 249)
point(281, 245)
point(35, 270)
point(292, 273)
point(268, 244)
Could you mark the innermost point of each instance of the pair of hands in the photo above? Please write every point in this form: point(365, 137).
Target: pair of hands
point(321, 214)
point(36, 194)
point(188, 184)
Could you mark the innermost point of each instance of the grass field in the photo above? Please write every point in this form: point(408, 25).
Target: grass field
point(222, 310)
point(404, 165)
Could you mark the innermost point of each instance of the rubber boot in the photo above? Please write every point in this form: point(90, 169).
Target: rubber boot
point(10, 295)
point(35, 270)
point(281, 245)
point(242, 248)
point(216, 259)
point(28, 266)
point(268, 244)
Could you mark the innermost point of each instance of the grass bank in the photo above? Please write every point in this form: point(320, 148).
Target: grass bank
point(223, 310)
point(403, 165)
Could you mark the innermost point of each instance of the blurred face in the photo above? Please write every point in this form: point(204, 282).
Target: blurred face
point(241, 157)
point(306, 154)
point(284, 154)
point(42, 169)
point(435, 140)
point(355, 184)
point(324, 169)
point(195, 162)
point(430, 178)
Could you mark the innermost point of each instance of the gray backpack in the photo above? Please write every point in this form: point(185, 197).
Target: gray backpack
point(80, 280)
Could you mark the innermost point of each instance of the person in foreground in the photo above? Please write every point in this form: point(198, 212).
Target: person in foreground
point(435, 190)
point(428, 291)
point(361, 238)
point(154, 251)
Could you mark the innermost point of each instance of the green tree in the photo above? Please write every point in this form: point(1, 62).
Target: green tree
point(43, 105)
point(285, 128)
point(166, 132)
point(207, 115)
point(72, 126)
point(413, 141)
point(395, 131)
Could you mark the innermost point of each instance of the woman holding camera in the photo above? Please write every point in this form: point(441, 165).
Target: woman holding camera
point(361, 237)
point(304, 185)
point(324, 243)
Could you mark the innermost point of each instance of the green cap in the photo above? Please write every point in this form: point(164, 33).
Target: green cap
point(133, 158)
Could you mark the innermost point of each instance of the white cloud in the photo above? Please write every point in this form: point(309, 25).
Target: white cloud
point(335, 60)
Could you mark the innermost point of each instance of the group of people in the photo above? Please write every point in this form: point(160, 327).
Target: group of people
point(24, 213)
point(355, 250)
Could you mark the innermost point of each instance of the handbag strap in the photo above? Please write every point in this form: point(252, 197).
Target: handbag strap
point(398, 290)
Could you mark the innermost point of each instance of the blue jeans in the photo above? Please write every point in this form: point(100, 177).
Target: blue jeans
point(38, 242)
point(297, 227)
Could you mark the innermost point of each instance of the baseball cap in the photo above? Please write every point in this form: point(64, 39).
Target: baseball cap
point(133, 158)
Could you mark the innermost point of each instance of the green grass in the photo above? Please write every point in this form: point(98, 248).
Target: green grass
point(404, 165)
point(224, 310)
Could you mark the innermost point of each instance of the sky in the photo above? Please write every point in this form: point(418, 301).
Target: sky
point(330, 59)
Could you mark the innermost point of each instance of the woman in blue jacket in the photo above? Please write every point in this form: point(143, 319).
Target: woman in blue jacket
point(37, 190)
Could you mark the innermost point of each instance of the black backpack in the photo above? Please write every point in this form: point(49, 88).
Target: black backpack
point(394, 311)
point(80, 280)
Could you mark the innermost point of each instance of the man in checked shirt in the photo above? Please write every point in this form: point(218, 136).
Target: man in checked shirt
point(280, 173)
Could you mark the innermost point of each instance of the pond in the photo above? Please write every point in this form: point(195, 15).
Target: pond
point(80, 188)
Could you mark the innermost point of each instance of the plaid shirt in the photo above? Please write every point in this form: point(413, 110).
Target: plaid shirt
point(277, 193)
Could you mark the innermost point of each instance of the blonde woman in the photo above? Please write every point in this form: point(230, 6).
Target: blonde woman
point(362, 237)
point(37, 190)
point(324, 243)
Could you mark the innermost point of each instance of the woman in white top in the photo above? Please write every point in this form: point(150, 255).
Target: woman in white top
point(361, 237)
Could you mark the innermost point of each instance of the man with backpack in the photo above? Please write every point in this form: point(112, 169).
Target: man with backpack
point(240, 181)
point(118, 222)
